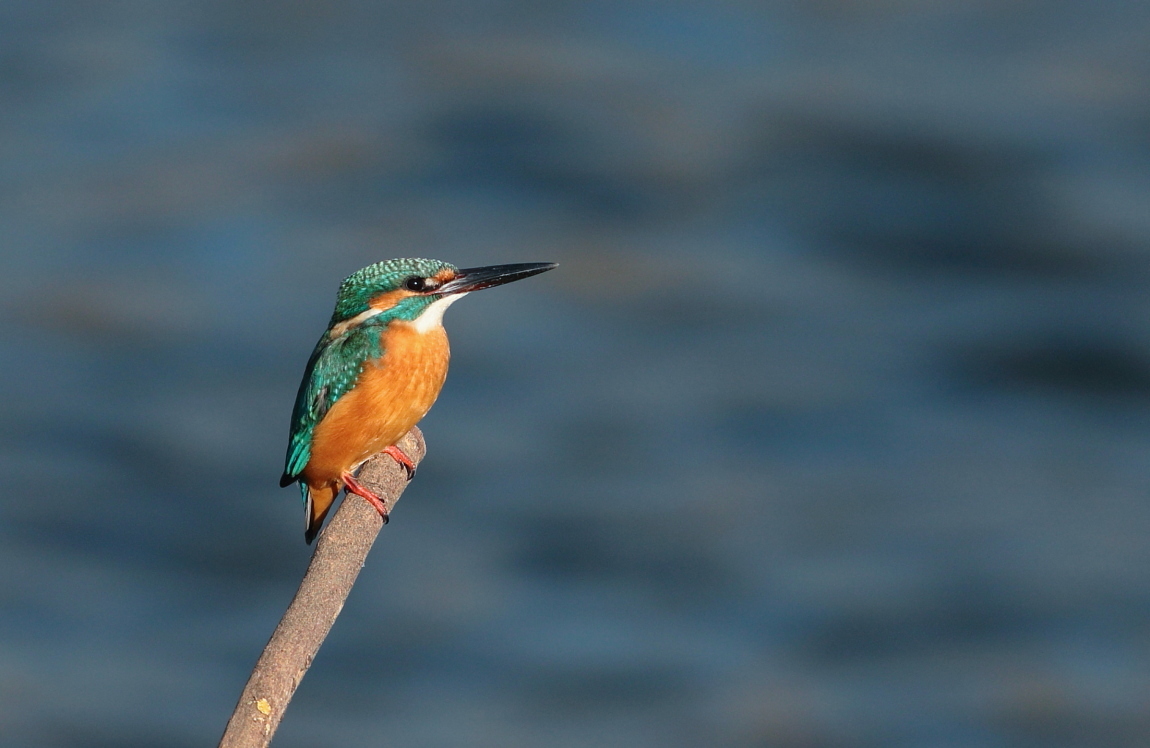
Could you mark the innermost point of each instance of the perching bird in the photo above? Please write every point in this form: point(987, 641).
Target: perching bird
point(375, 372)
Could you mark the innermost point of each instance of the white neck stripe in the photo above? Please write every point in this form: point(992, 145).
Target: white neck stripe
point(342, 327)
point(429, 319)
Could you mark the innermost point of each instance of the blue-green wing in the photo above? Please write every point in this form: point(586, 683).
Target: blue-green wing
point(331, 372)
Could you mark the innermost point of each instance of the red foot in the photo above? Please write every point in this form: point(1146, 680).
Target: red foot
point(357, 488)
point(402, 459)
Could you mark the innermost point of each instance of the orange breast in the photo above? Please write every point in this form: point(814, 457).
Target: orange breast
point(390, 397)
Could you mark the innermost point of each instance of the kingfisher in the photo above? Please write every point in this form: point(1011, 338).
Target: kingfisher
point(375, 372)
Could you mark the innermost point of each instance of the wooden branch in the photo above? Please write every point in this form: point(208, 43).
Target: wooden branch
point(339, 555)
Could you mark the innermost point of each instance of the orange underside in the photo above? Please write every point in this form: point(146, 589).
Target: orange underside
point(391, 395)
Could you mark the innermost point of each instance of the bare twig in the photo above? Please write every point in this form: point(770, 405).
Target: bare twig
point(339, 555)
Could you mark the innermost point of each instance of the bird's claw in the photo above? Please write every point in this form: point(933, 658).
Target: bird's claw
point(357, 488)
point(398, 455)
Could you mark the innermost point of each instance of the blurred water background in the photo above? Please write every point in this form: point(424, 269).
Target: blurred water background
point(832, 430)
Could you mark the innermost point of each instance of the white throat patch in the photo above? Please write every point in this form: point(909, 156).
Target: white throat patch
point(432, 316)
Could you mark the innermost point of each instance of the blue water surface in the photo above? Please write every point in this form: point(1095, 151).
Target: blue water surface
point(831, 430)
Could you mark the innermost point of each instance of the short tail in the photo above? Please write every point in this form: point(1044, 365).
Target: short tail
point(317, 500)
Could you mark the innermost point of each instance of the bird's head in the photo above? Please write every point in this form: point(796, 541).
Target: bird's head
point(416, 290)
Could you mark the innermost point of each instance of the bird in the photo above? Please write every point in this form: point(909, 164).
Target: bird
point(375, 372)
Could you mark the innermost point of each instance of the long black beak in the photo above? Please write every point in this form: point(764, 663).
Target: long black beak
point(475, 279)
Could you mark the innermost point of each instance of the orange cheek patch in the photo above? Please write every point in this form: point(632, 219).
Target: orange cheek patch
point(385, 301)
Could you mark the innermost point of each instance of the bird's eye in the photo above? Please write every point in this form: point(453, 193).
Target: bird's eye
point(414, 283)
